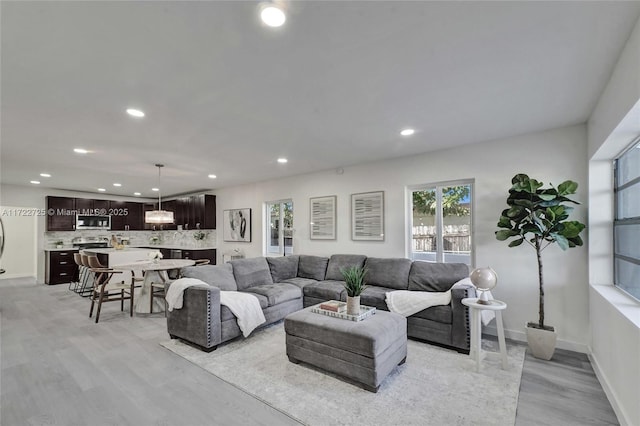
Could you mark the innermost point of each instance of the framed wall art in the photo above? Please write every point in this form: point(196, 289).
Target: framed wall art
point(237, 225)
point(367, 216)
point(322, 218)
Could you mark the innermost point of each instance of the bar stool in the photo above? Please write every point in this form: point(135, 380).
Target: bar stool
point(105, 291)
point(74, 285)
point(86, 283)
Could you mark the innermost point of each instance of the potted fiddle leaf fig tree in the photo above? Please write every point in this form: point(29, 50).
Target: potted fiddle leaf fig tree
point(538, 217)
point(354, 283)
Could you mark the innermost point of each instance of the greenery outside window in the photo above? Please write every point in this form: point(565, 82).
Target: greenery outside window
point(440, 222)
point(626, 225)
point(279, 228)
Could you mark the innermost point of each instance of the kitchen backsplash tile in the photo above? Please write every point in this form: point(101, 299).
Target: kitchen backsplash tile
point(136, 238)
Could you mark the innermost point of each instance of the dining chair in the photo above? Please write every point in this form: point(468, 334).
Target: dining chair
point(106, 291)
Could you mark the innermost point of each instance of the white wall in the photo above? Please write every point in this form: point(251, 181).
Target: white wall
point(615, 317)
point(552, 156)
point(20, 243)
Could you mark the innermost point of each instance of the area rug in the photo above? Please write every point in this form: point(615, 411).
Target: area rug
point(435, 386)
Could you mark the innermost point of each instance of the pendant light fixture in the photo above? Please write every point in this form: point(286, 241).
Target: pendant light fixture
point(158, 216)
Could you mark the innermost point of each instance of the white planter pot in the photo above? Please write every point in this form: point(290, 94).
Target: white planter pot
point(541, 342)
point(353, 305)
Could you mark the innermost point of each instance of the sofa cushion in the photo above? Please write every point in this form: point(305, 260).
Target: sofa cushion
point(300, 282)
point(326, 290)
point(220, 276)
point(283, 267)
point(375, 296)
point(429, 276)
point(251, 272)
point(264, 302)
point(313, 267)
point(440, 314)
point(338, 262)
point(278, 292)
point(391, 272)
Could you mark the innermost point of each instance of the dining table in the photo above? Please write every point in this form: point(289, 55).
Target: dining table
point(154, 271)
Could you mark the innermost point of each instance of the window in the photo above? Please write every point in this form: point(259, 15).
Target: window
point(626, 225)
point(279, 238)
point(440, 222)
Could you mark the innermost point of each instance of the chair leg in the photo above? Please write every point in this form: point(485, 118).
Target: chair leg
point(131, 303)
point(99, 305)
point(122, 300)
point(93, 302)
point(151, 299)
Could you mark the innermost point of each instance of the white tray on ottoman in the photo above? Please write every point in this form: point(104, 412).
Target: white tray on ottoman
point(363, 352)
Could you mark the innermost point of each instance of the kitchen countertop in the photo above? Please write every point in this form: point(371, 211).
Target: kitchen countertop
point(175, 247)
point(112, 250)
point(129, 248)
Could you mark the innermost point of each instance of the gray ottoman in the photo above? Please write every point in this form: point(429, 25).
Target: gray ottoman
point(363, 352)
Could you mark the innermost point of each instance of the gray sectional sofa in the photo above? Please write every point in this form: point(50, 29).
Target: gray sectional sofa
point(287, 284)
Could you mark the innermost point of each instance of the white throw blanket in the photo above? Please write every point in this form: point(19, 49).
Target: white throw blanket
point(407, 303)
point(246, 308)
point(176, 291)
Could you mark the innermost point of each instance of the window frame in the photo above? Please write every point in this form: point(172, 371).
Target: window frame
point(440, 257)
point(617, 222)
point(282, 249)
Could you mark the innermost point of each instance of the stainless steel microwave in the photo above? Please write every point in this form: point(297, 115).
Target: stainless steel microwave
point(93, 222)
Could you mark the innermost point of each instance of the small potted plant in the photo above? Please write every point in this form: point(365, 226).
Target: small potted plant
point(354, 283)
point(59, 244)
point(538, 216)
point(199, 236)
point(155, 256)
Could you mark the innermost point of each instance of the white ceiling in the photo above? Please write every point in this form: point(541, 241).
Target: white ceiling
point(334, 86)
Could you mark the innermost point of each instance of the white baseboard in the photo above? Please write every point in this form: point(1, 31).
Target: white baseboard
point(608, 390)
point(12, 276)
point(521, 336)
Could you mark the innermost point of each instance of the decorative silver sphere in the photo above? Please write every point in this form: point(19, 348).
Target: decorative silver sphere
point(484, 279)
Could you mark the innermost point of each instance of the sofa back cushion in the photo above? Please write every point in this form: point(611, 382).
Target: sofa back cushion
point(251, 272)
point(314, 267)
point(428, 276)
point(338, 262)
point(388, 272)
point(220, 276)
point(283, 268)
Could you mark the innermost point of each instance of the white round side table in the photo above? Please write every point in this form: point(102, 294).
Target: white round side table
point(476, 328)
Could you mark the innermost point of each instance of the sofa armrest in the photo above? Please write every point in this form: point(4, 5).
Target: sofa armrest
point(460, 332)
point(198, 321)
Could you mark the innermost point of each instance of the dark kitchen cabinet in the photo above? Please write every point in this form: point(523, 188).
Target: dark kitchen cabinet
point(61, 215)
point(60, 267)
point(90, 206)
point(195, 212)
point(126, 216)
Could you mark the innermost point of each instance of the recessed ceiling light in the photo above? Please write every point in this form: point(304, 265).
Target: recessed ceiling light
point(272, 15)
point(282, 160)
point(45, 175)
point(135, 112)
point(155, 189)
point(137, 194)
point(117, 184)
point(212, 176)
point(407, 132)
point(35, 182)
point(101, 189)
point(80, 151)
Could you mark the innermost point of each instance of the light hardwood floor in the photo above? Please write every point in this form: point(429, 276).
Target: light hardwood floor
point(59, 368)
